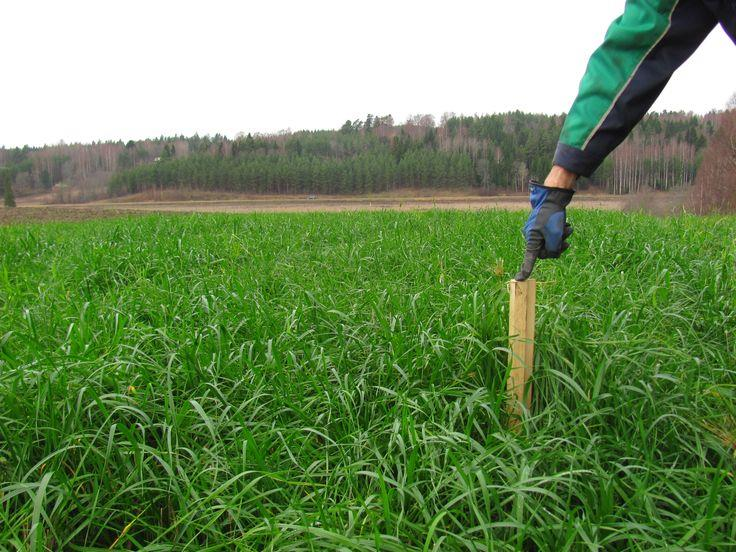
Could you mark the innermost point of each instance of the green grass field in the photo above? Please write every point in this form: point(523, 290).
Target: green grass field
point(336, 382)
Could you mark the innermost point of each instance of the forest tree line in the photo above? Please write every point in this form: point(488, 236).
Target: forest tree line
point(492, 153)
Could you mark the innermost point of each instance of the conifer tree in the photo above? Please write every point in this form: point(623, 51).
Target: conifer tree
point(7, 180)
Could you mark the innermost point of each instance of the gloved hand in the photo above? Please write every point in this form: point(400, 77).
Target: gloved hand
point(546, 230)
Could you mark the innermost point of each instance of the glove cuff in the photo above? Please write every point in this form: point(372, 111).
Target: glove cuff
point(559, 196)
point(563, 191)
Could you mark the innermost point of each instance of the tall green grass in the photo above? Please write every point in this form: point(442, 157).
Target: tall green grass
point(336, 382)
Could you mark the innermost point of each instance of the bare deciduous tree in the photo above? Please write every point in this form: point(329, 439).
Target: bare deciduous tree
point(731, 103)
point(715, 183)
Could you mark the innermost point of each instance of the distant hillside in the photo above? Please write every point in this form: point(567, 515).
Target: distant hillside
point(493, 153)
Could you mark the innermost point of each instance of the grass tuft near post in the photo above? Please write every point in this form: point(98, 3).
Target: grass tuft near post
point(523, 297)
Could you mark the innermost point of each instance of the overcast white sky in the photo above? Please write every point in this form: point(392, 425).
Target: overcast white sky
point(90, 70)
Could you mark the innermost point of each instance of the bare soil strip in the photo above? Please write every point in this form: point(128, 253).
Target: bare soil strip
point(57, 213)
point(31, 212)
point(292, 204)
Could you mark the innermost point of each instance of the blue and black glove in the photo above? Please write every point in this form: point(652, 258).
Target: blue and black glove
point(546, 230)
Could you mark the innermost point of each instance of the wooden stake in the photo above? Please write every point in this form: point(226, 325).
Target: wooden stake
point(523, 298)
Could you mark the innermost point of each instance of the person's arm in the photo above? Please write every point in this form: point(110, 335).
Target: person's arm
point(625, 75)
point(642, 48)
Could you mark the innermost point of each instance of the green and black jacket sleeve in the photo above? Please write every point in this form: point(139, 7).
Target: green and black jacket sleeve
point(626, 74)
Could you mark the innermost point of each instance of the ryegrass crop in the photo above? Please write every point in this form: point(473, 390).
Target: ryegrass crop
point(336, 381)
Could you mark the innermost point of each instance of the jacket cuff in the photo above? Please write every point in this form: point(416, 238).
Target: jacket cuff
point(576, 160)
